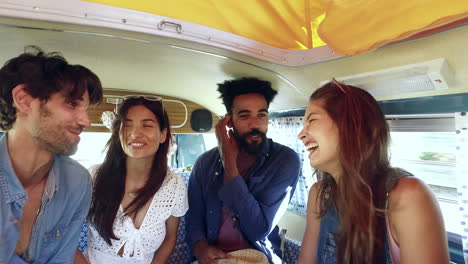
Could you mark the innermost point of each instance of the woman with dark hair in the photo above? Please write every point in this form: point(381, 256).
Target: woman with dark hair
point(361, 210)
point(137, 200)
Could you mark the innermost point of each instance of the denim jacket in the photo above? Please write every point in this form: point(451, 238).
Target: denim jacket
point(258, 204)
point(327, 245)
point(330, 224)
point(65, 204)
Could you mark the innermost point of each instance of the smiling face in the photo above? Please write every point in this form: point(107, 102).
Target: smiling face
point(250, 121)
point(58, 122)
point(140, 133)
point(321, 139)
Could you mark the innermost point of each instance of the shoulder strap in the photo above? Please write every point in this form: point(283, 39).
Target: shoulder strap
point(393, 176)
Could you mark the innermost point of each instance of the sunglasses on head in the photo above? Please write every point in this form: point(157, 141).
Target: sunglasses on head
point(152, 98)
point(342, 86)
point(146, 97)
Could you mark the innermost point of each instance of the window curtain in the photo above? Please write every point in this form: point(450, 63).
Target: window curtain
point(284, 130)
point(461, 130)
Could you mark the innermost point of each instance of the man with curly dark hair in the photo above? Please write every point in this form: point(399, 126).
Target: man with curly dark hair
point(44, 194)
point(239, 190)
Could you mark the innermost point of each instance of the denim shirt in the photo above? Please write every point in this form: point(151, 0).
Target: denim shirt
point(327, 248)
point(330, 222)
point(258, 204)
point(65, 204)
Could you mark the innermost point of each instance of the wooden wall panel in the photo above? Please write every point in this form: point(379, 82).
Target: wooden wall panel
point(175, 111)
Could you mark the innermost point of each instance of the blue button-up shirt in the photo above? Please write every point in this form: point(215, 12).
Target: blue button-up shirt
point(258, 203)
point(65, 204)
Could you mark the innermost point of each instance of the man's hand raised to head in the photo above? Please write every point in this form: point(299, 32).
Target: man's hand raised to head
point(228, 148)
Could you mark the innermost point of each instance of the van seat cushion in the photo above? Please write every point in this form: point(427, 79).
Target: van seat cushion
point(182, 253)
point(291, 250)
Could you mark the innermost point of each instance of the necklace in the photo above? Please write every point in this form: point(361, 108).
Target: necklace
point(132, 194)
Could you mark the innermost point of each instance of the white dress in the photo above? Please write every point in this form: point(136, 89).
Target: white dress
point(141, 244)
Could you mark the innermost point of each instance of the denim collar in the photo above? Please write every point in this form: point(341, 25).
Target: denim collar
point(9, 182)
point(51, 183)
point(266, 147)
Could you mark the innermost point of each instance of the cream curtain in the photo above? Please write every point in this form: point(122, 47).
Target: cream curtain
point(461, 130)
point(284, 130)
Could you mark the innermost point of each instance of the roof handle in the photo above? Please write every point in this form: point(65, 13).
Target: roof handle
point(164, 23)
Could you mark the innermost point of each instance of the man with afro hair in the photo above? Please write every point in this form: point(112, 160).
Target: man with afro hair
point(239, 190)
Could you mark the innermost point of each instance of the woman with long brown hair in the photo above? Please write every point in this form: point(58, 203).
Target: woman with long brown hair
point(362, 210)
point(137, 200)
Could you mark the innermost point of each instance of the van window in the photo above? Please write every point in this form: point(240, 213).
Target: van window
point(190, 147)
point(430, 156)
point(91, 148)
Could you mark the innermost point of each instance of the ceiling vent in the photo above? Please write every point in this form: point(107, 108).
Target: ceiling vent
point(424, 76)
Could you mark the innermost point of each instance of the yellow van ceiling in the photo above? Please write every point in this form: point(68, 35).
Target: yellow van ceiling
point(348, 27)
point(283, 24)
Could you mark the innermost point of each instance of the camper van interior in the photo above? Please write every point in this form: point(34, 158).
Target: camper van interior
point(419, 75)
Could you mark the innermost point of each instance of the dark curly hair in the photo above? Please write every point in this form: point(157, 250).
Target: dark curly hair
point(232, 88)
point(43, 75)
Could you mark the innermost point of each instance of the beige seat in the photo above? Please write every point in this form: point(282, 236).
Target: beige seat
point(245, 256)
